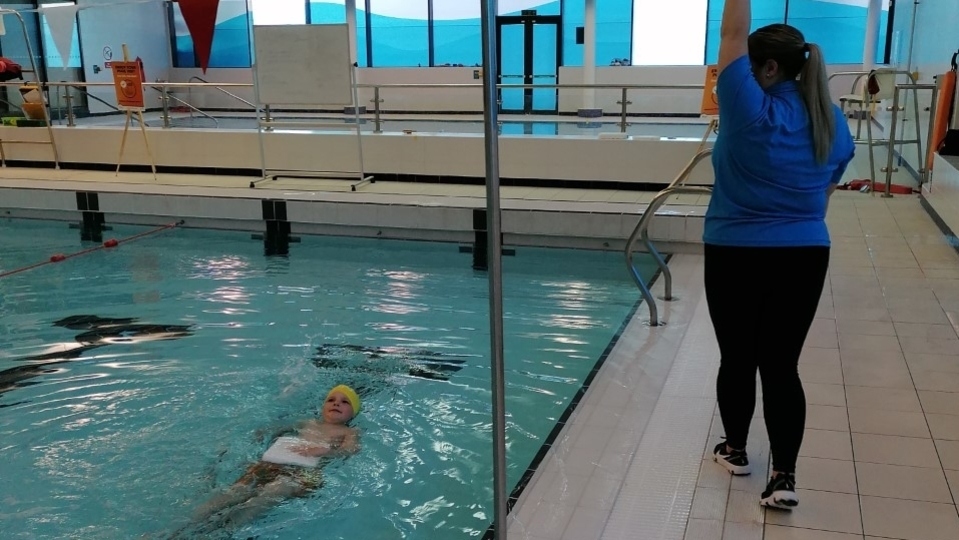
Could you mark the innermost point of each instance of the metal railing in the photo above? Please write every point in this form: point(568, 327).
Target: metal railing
point(642, 232)
point(166, 97)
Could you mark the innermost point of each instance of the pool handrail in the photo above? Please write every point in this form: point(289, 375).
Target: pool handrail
point(642, 232)
point(164, 89)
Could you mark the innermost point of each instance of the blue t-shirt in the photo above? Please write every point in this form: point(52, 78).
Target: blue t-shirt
point(770, 191)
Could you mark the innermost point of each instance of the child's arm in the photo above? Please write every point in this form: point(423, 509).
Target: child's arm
point(276, 429)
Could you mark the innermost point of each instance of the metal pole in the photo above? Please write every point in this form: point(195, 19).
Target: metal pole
point(376, 110)
point(165, 103)
point(930, 144)
point(494, 227)
point(892, 143)
point(71, 115)
point(267, 116)
point(625, 103)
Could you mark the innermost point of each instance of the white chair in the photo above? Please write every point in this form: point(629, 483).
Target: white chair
point(879, 85)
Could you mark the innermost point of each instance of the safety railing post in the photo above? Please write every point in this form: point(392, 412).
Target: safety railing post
point(71, 115)
point(267, 117)
point(377, 127)
point(625, 103)
point(889, 169)
point(165, 104)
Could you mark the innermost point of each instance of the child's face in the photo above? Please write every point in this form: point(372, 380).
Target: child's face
point(337, 409)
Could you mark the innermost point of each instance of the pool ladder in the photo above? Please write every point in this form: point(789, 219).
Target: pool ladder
point(642, 232)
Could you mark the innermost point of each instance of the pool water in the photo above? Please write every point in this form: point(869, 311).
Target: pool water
point(132, 381)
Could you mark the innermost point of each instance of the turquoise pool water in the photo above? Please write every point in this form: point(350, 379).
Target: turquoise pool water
point(112, 434)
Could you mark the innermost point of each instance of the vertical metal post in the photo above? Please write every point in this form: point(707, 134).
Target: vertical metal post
point(71, 115)
point(494, 227)
point(165, 103)
point(268, 117)
point(625, 103)
point(931, 144)
point(892, 143)
point(59, 106)
point(376, 110)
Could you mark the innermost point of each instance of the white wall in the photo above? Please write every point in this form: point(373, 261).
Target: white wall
point(143, 27)
point(418, 99)
point(638, 160)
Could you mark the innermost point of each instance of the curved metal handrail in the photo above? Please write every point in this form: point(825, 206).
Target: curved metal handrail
point(642, 231)
point(217, 87)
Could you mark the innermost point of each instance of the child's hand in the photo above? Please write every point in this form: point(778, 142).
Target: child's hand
point(311, 450)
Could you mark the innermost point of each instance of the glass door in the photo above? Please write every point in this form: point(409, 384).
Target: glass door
point(512, 66)
point(545, 66)
point(529, 52)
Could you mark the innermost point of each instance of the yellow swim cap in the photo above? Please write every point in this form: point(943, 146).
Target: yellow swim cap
point(350, 394)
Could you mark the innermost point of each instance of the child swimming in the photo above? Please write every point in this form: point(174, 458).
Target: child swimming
point(290, 467)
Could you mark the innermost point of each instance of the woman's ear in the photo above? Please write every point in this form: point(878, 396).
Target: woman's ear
point(770, 69)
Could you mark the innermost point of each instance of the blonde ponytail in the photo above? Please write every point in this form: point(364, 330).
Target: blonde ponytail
point(814, 87)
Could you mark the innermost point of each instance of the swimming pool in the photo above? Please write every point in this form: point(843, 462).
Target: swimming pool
point(127, 432)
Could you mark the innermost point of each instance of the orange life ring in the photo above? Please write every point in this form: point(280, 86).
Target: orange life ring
point(947, 89)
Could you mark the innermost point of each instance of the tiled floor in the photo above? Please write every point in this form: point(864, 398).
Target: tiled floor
point(881, 370)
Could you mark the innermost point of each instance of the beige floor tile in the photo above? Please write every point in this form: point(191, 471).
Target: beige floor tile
point(943, 426)
point(885, 399)
point(821, 510)
point(743, 507)
point(743, 531)
point(925, 316)
point(863, 314)
point(827, 418)
point(826, 445)
point(704, 529)
point(863, 328)
point(821, 373)
point(586, 524)
point(879, 422)
point(932, 362)
point(909, 520)
point(939, 402)
point(898, 482)
point(895, 450)
point(886, 358)
point(936, 381)
point(953, 478)
point(949, 454)
point(826, 475)
point(709, 503)
point(825, 394)
point(816, 356)
point(877, 377)
point(929, 345)
point(868, 343)
point(778, 532)
point(934, 331)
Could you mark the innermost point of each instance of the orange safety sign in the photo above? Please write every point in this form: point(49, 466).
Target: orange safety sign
point(128, 82)
point(710, 99)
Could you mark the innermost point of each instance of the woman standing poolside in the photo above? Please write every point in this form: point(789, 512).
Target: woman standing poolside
point(782, 149)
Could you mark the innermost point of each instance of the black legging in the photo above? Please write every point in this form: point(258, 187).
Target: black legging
point(762, 302)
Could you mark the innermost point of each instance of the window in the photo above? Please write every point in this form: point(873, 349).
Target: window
point(542, 7)
point(231, 38)
point(457, 33)
point(669, 33)
point(270, 12)
point(327, 11)
point(400, 30)
point(838, 26)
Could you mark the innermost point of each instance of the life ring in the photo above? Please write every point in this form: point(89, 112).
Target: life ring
point(944, 105)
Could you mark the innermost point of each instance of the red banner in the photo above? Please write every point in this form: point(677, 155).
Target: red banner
point(200, 17)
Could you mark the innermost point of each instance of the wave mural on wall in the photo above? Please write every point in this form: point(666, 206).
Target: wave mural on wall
point(400, 29)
